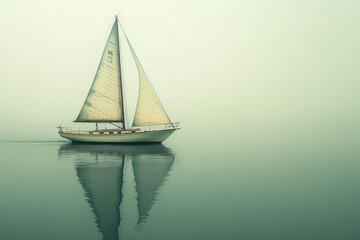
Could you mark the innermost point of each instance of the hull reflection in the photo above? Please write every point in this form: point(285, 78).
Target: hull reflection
point(100, 170)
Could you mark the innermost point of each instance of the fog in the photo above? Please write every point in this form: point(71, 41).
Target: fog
point(227, 70)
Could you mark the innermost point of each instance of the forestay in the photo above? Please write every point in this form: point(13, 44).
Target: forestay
point(103, 102)
point(149, 110)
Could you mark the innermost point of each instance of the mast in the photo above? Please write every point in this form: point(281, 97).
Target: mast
point(120, 79)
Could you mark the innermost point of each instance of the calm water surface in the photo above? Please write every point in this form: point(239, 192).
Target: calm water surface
point(59, 190)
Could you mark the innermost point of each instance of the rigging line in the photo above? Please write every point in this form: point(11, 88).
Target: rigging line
point(82, 81)
point(147, 78)
point(137, 71)
point(115, 125)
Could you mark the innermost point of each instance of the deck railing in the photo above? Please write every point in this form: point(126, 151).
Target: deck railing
point(69, 129)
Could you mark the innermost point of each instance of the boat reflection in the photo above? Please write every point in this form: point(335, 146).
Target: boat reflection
point(100, 170)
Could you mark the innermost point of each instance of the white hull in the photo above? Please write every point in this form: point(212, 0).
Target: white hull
point(156, 136)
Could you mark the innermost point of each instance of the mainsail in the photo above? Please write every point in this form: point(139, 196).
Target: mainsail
point(104, 100)
point(149, 110)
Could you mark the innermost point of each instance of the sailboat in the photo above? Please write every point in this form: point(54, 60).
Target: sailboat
point(105, 103)
point(101, 172)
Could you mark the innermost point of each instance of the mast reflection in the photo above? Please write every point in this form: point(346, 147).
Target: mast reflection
point(100, 170)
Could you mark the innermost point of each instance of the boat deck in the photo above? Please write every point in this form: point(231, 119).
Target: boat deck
point(118, 136)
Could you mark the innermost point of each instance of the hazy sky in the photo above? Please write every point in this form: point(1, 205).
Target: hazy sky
point(228, 66)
